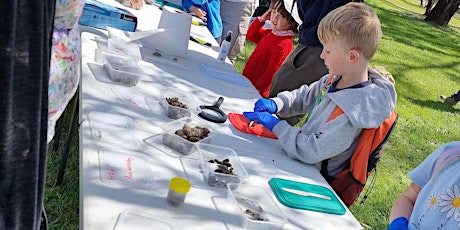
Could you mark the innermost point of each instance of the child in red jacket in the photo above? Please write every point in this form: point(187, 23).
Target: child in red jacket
point(273, 45)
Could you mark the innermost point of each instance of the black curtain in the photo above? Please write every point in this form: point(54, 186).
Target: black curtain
point(25, 30)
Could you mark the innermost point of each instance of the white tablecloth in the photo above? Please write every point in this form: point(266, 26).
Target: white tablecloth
point(101, 201)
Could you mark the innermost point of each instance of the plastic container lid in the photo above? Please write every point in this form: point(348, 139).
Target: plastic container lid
point(224, 75)
point(179, 184)
point(113, 128)
point(131, 219)
point(131, 169)
point(120, 47)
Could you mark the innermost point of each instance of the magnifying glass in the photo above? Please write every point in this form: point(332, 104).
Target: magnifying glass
point(213, 113)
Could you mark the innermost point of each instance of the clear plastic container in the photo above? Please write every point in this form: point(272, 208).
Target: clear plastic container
point(181, 99)
point(120, 47)
point(128, 168)
point(122, 69)
point(178, 189)
point(255, 207)
point(113, 128)
point(134, 219)
point(220, 165)
point(179, 143)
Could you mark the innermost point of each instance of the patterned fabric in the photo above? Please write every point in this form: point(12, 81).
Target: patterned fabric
point(65, 59)
point(283, 33)
point(438, 203)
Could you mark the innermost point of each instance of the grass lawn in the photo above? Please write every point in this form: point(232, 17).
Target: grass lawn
point(425, 62)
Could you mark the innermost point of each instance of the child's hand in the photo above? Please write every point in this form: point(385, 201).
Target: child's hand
point(399, 223)
point(136, 4)
point(265, 105)
point(201, 14)
point(263, 118)
point(266, 15)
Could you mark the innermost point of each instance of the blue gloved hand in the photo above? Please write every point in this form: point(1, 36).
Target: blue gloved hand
point(263, 118)
point(400, 223)
point(265, 105)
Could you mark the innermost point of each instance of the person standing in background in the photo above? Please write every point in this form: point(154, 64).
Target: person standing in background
point(65, 59)
point(135, 4)
point(209, 12)
point(303, 65)
point(236, 15)
point(452, 99)
point(273, 45)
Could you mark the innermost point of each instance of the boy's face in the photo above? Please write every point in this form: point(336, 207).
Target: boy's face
point(335, 58)
point(278, 22)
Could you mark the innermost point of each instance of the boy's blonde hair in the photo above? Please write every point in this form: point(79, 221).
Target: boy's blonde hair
point(355, 26)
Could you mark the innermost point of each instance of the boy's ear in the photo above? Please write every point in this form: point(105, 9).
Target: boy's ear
point(354, 55)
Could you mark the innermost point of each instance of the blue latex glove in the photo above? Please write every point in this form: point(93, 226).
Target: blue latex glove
point(265, 105)
point(263, 118)
point(400, 223)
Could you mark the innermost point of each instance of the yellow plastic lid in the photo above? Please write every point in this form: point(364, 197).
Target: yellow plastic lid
point(179, 184)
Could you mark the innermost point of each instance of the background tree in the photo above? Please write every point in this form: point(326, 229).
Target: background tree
point(441, 11)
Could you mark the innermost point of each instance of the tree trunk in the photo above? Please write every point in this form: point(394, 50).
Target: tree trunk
point(442, 12)
point(429, 7)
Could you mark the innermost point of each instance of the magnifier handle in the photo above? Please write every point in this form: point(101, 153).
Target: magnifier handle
point(218, 102)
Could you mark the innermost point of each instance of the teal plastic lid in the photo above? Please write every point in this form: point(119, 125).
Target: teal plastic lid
point(292, 194)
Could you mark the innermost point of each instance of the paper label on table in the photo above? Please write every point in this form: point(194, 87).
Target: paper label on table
point(125, 167)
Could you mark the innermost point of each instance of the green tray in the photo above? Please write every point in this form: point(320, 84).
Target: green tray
point(292, 200)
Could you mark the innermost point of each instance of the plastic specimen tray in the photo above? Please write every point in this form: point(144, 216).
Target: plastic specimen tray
point(112, 128)
point(130, 220)
point(174, 145)
point(133, 97)
point(221, 154)
point(122, 69)
point(125, 167)
point(175, 112)
point(224, 75)
point(120, 47)
point(256, 208)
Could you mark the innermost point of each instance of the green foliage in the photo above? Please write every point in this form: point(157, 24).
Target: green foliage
point(425, 63)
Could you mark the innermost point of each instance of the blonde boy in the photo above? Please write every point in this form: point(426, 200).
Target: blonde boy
point(350, 36)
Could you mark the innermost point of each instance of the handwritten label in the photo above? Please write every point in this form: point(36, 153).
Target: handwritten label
point(129, 167)
point(130, 100)
point(111, 174)
point(128, 172)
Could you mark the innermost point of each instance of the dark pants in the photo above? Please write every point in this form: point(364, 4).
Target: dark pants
point(302, 66)
point(456, 96)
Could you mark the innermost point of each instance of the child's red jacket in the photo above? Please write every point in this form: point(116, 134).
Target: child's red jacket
point(267, 57)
